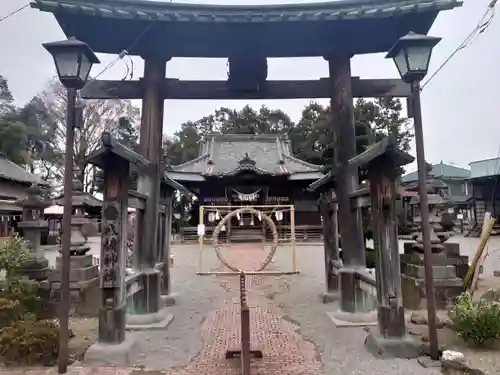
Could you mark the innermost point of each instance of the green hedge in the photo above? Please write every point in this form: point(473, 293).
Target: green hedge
point(29, 341)
point(24, 339)
point(477, 322)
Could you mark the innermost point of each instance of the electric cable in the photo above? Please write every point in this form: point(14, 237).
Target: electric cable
point(14, 12)
point(482, 25)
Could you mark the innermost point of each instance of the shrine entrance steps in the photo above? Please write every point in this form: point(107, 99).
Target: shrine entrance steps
point(242, 235)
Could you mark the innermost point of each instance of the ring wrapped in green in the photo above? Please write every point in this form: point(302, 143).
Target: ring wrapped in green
point(225, 220)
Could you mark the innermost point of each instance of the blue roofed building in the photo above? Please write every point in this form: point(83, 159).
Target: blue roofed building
point(485, 178)
point(454, 189)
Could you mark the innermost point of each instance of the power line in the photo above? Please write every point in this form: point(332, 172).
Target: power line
point(480, 28)
point(14, 12)
point(124, 53)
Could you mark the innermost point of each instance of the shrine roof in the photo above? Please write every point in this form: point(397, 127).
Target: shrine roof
point(441, 171)
point(385, 149)
point(85, 199)
point(230, 154)
point(197, 30)
point(12, 172)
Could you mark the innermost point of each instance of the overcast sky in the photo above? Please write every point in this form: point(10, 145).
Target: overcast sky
point(461, 122)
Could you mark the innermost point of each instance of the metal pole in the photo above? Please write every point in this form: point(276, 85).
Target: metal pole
point(292, 234)
point(201, 220)
point(62, 360)
point(426, 228)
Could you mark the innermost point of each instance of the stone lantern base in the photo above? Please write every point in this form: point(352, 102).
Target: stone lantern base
point(83, 283)
point(35, 269)
point(447, 285)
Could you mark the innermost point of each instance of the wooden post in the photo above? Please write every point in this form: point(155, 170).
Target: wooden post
point(160, 236)
point(331, 244)
point(390, 339)
point(115, 159)
point(113, 250)
point(149, 182)
point(167, 239)
point(351, 229)
point(228, 228)
point(383, 203)
point(264, 231)
point(139, 223)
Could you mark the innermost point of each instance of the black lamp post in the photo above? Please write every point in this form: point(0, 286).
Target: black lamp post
point(412, 54)
point(73, 60)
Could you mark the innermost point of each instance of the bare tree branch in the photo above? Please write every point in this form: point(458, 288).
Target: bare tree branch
point(98, 116)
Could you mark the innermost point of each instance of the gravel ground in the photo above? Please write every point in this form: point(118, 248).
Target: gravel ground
point(196, 296)
point(340, 350)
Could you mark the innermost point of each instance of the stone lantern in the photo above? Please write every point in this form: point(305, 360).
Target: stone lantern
point(78, 242)
point(32, 225)
point(84, 280)
point(436, 192)
point(449, 267)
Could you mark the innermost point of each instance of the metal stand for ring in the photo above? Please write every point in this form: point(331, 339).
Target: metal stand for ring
point(245, 352)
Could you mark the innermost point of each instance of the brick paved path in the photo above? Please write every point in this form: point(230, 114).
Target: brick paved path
point(284, 350)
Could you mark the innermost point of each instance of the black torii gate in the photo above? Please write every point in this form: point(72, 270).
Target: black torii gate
point(247, 36)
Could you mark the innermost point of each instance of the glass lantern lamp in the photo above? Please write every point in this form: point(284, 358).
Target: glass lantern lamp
point(73, 59)
point(412, 54)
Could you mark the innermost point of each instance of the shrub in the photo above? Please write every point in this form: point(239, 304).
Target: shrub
point(477, 322)
point(14, 252)
point(24, 291)
point(492, 295)
point(10, 311)
point(29, 342)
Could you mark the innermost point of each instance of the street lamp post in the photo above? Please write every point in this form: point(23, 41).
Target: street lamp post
point(73, 60)
point(412, 54)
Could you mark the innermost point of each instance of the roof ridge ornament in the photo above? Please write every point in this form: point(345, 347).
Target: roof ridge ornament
point(247, 160)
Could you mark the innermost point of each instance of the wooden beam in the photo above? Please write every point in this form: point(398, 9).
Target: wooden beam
point(197, 90)
point(136, 200)
point(360, 202)
point(136, 203)
point(359, 199)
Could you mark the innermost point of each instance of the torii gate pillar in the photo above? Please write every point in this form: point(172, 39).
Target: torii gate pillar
point(150, 146)
point(350, 223)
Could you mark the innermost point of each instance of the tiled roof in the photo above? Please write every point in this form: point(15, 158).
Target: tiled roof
point(176, 12)
point(85, 199)
point(441, 171)
point(229, 154)
point(460, 199)
point(13, 172)
point(432, 198)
